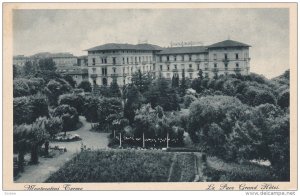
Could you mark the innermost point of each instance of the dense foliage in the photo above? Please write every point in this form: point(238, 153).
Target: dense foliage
point(68, 115)
point(124, 166)
point(85, 85)
point(27, 109)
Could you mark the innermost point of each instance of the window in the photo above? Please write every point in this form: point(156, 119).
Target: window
point(123, 60)
point(153, 67)
point(161, 67)
point(191, 75)
point(94, 70)
point(114, 69)
point(190, 58)
point(127, 60)
point(168, 58)
point(168, 75)
point(226, 65)
point(190, 66)
point(139, 59)
point(168, 67)
point(182, 58)
point(215, 56)
point(236, 55)
point(114, 60)
point(215, 65)
point(237, 65)
point(198, 66)
point(150, 58)
point(174, 58)
point(135, 58)
point(175, 66)
point(225, 56)
point(94, 61)
point(160, 59)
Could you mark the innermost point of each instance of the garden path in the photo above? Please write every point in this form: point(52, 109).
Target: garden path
point(39, 173)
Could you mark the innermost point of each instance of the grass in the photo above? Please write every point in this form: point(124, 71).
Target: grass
point(220, 171)
point(124, 166)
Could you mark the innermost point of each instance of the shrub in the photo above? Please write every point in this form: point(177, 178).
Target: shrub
point(68, 115)
point(85, 85)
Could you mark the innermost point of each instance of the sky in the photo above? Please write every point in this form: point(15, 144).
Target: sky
point(266, 30)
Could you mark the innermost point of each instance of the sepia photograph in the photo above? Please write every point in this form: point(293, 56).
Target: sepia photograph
point(151, 94)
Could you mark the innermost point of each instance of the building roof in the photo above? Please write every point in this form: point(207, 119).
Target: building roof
point(115, 46)
point(52, 55)
point(228, 43)
point(184, 50)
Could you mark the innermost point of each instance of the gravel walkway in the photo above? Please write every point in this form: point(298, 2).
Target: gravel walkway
point(39, 173)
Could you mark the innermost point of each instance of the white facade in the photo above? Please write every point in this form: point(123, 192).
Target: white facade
point(120, 61)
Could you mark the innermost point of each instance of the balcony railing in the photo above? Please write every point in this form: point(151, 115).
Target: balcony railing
point(93, 75)
point(215, 69)
point(237, 69)
point(114, 75)
point(190, 70)
point(175, 70)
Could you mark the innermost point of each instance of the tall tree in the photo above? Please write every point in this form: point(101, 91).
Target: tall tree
point(47, 64)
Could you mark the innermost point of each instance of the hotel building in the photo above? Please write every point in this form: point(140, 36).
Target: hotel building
point(119, 61)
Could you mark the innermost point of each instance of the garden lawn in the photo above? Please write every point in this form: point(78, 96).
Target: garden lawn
point(125, 166)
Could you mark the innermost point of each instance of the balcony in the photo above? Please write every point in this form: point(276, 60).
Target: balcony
point(237, 69)
point(215, 69)
point(175, 70)
point(225, 60)
point(93, 75)
point(190, 70)
point(114, 75)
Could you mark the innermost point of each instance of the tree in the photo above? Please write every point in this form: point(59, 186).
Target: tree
point(21, 88)
point(284, 99)
point(114, 89)
point(90, 112)
point(37, 136)
point(53, 126)
point(21, 143)
point(141, 81)
point(70, 80)
point(183, 86)
point(264, 97)
point(68, 115)
point(160, 93)
point(55, 88)
point(16, 71)
point(109, 109)
point(29, 68)
point(144, 121)
point(47, 64)
point(133, 101)
point(74, 100)
point(85, 85)
point(175, 81)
